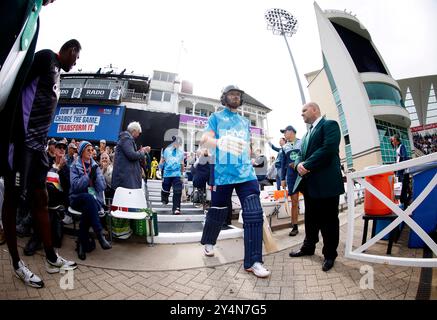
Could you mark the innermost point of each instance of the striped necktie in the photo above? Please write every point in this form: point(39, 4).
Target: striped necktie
point(305, 141)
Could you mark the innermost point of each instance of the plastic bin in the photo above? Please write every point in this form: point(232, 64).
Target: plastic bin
point(426, 213)
point(385, 183)
point(280, 194)
point(141, 227)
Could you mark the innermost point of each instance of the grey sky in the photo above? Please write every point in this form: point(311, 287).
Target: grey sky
point(226, 41)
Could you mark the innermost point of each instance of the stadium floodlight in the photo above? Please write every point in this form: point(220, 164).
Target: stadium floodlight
point(283, 23)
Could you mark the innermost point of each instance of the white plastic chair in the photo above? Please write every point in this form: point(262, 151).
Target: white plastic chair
point(128, 204)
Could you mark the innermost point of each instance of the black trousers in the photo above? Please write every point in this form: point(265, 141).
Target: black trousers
point(321, 214)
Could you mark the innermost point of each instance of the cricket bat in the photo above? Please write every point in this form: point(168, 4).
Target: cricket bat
point(287, 204)
point(269, 242)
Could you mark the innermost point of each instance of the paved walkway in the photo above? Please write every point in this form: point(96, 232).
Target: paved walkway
point(137, 274)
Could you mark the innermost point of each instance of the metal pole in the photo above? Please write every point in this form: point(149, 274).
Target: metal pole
point(302, 96)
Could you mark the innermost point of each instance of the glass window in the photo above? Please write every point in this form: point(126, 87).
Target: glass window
point(167, 96)
point(383, 94)
point(156, 95)
point(386, 130)
point(156, 75)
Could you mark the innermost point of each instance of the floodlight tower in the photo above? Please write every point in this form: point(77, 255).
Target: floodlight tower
point(283, 23)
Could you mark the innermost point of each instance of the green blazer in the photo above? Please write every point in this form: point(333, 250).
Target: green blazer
point(321, 158)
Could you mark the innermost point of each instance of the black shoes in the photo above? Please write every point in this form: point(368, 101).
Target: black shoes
point(294, 231)
point(81, 254)
point(300, 253)
point(327, 264)
point(103, 242)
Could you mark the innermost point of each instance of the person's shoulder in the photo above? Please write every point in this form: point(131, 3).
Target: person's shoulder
point(45, 54)
point(216, 114)
point(329, 122)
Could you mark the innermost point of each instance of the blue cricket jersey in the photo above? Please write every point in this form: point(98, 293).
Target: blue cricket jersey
point(173, 159)
point(228, 168)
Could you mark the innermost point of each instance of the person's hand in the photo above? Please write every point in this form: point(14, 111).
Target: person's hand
point(61, 163)
point(292, 165)
point(283, 184)
point(301, 169)
point(231, 144)
point(104, 163)
point(93, 173)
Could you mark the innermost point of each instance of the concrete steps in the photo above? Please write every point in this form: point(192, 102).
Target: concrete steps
point(184, 228)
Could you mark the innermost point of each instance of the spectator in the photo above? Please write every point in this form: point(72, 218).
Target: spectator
point(260, 165)
point(58, 187)
point(101, 149)
point(126, 171)
point(146, 163)
point(72, 154)
point(51, 151)
point(278, 161)
point(271, 171)
point(201, 173)
point(289, 175)
point(154, 167)
point(191, 159)
point(86, 196)
point(403, 177)
point(107, 168)
point(426, 143)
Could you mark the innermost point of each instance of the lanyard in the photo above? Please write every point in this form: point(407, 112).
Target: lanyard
point(86, 171)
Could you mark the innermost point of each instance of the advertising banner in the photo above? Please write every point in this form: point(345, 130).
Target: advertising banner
point(100, 94)
point(70, 93)
point(424, 128)
point(87, 122)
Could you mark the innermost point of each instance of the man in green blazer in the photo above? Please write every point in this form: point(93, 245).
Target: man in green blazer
point(321, 183)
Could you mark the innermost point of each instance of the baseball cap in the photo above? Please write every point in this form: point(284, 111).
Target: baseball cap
point(52, 141)
point(288, 128)
point(61, 143)
point(103, 141)
point(72, 145)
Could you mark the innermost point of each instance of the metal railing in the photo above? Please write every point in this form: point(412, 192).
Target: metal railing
point(132, 96)
point(403, 215)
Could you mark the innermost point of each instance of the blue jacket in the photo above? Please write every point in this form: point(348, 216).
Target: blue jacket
point(279, 157)
point(79, 181)
point(127, 168)
point(401, 155)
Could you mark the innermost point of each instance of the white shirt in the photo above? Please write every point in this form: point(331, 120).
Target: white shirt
point(315, 123)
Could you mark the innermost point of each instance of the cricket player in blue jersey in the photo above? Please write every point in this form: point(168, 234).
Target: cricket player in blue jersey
point(173, 160)
point(228, 136)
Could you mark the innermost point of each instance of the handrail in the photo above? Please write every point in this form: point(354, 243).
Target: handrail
point(403, 215)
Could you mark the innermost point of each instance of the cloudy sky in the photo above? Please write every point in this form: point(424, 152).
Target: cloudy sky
point(226, 41)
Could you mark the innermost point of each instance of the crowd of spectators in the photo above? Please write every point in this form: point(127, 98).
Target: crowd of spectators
point(426, 143)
